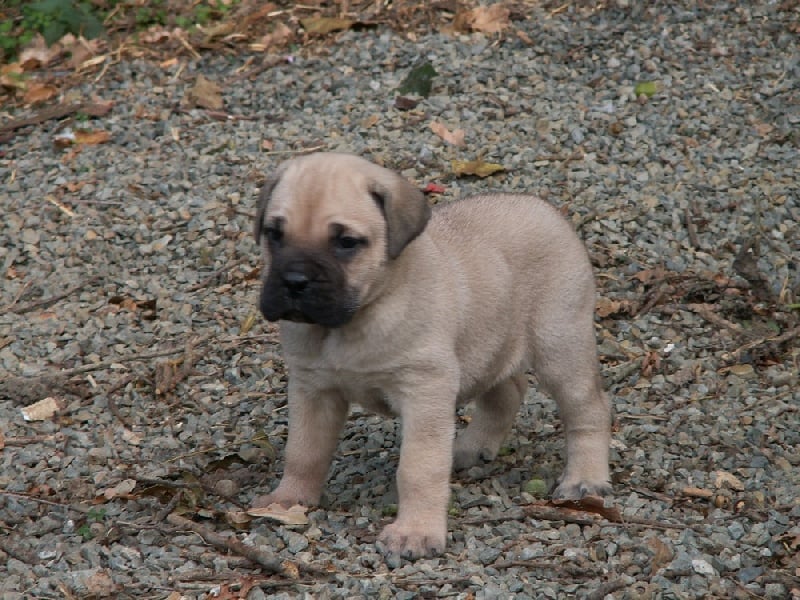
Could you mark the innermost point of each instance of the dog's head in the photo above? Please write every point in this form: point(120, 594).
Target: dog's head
point(329, 226)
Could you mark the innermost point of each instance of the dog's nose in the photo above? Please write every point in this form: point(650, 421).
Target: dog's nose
point(295, 282)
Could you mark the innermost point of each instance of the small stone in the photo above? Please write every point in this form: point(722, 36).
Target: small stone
point(226, 487)
point(703, 567)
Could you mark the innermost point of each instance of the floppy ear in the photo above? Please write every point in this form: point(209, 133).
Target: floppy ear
point(263, 201)
point(405, 209)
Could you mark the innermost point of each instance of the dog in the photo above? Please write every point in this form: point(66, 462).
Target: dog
point(407, 310)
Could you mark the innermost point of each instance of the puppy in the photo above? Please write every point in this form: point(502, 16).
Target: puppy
point(408, 311)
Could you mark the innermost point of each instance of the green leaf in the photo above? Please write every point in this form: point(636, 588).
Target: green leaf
point(53, 32)
point(645, 88)
point(419, 80)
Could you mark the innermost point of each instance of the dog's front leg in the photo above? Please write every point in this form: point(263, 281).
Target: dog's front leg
point(315, 420)
point(423, 478)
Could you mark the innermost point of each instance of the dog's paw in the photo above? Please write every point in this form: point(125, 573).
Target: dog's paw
point(575, 490)
point(410, 543)
point(284, 497)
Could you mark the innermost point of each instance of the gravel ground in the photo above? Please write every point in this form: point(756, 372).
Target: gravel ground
point(130, 280)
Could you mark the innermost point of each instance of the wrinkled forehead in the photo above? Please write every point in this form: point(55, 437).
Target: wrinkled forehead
point(311, 199)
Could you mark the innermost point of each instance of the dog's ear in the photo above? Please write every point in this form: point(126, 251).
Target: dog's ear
point(263, 200)
point(405, 209)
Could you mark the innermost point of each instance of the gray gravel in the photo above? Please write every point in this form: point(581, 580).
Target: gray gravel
point(154, 263)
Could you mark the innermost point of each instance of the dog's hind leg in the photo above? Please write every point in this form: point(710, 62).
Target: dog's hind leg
point(567, 368)
point(492, 419)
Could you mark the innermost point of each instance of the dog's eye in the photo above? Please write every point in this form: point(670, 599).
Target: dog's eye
point(274, 235)
point(346, 245)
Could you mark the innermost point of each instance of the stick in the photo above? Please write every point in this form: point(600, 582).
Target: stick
point(232, 544)
point(608, 588)
point(53, 112)
point(778, 339)
point(705, 311)
point(48, 301)
point(691, 230)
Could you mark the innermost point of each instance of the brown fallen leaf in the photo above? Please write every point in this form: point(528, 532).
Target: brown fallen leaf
point(2, 441)
point(294, 515)
point(42, 410)
point(487, 19)
point(323, 25)
point(454, 138)
point(370, 121)
point(475, 167)
point(38, 54)
point(123, 488)
point(279, 36)
point(662, 554)
point(38, 93)
point(92, 137)
point(607, 307)
point(12, 76)
point(205, 94)
point(725, 479)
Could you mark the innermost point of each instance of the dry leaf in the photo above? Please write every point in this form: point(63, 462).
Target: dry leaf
point(370, 121)
point(606, 307)
point(488, 19)
point(475, 167)
point(92, 137)
point(455, 138)
point(323, 25)
point(662, 554)
point(12, 76)
point(237, 518)
point(133, 438)
point(123, 488)
point(41, 410)
point(725, 479)
point(219, 30)
point(205, 94)
point(2, 441)
point(248, 323)
point(279, 36)
point(294, 515)
point(155, 35)
point(648, 275)
point(38, 54)
point(99, 585)
point(38, 92)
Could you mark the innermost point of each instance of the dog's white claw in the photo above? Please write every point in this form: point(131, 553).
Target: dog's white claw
point(397, 541)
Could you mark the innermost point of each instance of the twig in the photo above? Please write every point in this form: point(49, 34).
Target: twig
point(691, 230)
point(34, 439)
point(59, 377)
point(213, 275)
point(705, 311)
point(778, 339)
point(112, 405)
point(51, 300)
point(299, 151)
point(52, 112)
point(167, 510)
point(19, 295)
point(232, 544)
point(609, 588)
point(42, 501)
